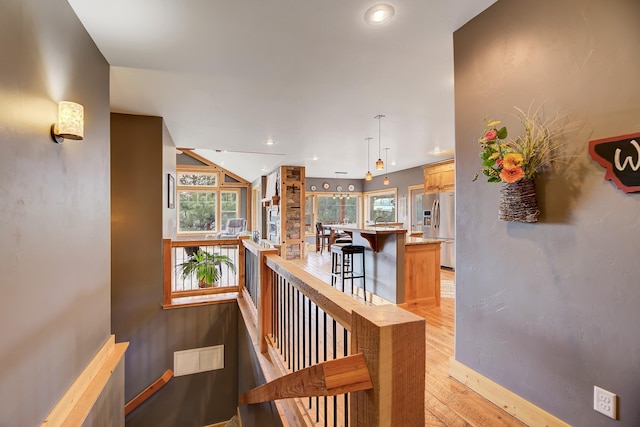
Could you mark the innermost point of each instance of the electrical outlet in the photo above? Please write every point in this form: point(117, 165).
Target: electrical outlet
point(605, 402)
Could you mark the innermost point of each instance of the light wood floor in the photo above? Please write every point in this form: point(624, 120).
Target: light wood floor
point(447, 402)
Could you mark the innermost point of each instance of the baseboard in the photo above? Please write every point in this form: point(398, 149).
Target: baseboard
point(504, 398)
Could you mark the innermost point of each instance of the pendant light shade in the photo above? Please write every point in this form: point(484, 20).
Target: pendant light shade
point(368, 176)
point(386, 158)
point(379, 162)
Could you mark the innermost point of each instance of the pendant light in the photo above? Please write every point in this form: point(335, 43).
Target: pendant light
point(379, 163)
point(368, 176)
point(386, 159)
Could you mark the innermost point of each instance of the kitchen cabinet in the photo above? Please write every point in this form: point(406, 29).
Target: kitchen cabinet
point(439, 177)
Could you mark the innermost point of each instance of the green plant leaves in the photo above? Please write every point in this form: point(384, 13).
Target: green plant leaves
point(205, 266)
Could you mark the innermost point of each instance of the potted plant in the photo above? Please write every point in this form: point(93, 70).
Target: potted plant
point(206, 266)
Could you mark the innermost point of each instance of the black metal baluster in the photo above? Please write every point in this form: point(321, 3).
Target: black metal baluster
point(346, 395)
point(282, 304)
point(335, 350)
point(310, 343)
point(325, 358)
point(317, 361)
point(299, 320)
point(296, 331)
point(304, 334)
point(287, 331)
point(279, 325)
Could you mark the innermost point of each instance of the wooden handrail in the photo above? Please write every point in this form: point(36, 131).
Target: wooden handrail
point(253, 247)
point(329, 378)
point(204, 242)
point(148, 392)
point(334, 302)
point(389, 339)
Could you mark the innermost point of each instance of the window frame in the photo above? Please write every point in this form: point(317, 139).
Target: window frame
point(217, 189)
point(314, 218)
point(367, 202)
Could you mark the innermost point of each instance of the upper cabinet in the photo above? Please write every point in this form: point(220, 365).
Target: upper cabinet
point(439, 177)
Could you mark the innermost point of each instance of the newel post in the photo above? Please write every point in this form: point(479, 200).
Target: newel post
point(241, 265)
point(167, 270)
point(265, 305)
point(394, 345)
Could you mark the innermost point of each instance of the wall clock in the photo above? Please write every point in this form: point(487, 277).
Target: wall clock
point(352, 187)
point(325, 185)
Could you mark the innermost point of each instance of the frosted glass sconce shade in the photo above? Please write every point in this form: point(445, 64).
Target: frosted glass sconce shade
point(70, 123)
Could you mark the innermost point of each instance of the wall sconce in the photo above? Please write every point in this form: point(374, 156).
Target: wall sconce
point(70, 123)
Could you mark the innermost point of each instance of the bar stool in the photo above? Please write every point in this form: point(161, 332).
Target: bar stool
point(343, 265)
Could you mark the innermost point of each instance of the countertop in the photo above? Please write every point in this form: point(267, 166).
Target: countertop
point(422, 241)
point(367, 230)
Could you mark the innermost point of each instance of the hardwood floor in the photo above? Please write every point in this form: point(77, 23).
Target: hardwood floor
point(447, 401)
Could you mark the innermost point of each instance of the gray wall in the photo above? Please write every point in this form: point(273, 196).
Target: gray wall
point(250, 376)
point(139, 190)
point(54, 214)
point(108, 410)
point(551, 309)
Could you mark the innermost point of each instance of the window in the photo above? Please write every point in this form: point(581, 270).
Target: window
point(202, 207)
point(186, 179)
point(329, 210)
point(338, 209)
point(229, 206)
point(196, 211)
point(381, 205)
point(309, 223)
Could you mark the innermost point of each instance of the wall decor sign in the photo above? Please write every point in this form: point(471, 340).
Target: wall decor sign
point(620, 156)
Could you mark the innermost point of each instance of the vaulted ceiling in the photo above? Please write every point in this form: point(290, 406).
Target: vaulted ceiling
point(310, 75)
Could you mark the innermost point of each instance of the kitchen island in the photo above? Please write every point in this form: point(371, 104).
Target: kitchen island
point(400, 269)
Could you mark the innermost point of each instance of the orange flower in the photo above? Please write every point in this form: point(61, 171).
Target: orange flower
point(511, 175)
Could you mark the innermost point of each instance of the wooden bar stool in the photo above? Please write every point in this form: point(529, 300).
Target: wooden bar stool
point(343, 265)
point(322, 237)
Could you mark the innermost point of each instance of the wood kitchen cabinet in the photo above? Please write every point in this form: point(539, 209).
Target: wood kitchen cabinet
point(439, 177)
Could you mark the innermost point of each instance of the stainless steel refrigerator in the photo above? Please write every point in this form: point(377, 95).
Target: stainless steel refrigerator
point(439, 222)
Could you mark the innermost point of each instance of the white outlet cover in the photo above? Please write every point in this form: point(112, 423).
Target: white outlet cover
point(605, 402)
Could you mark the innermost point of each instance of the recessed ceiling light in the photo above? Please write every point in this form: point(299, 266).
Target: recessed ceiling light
point(270, 142)
point(380, 13)
point(315, 157)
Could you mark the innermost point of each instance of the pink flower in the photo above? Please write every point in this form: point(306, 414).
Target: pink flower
point(490, 135)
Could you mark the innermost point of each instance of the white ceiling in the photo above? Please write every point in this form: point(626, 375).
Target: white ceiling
point(311, 75)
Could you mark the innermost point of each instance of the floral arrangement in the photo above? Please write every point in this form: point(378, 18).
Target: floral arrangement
point(511, 160)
